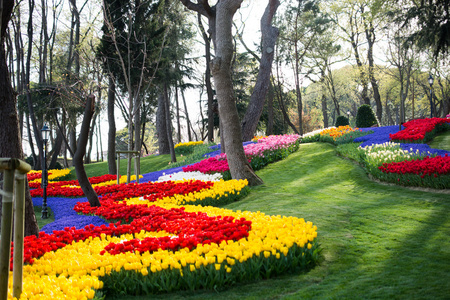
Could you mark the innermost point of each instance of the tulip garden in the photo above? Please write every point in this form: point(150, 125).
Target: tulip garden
point(161, 236)
point(172, 233)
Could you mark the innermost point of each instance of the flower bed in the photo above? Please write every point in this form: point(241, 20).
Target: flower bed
point(237, 247)
point(340, 135)
point(421, 130)
point(186, 247)
point(162, 242)
point(377, 148)
point(431, 172)
point(265, 151)
point(35, 176)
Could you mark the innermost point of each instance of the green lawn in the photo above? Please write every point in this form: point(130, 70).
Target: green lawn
point(379, 241)
point(148, 164)
point(442, 141)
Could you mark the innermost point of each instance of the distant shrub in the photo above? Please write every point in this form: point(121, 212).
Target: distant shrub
point(58, 166)
point(342, 121)
point(365, 117)
point(29, 160)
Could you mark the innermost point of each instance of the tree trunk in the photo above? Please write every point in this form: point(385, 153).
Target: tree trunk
point(112, 168)
point(177, 105)
point(73, 137)
point(56, 149)
point(10, 141)
point(370, 35)
point(161, 127)
point(43, 47)
point(256, 105)
point(283, 109)
point(169, 124)
point(188, 121)
point(270, 96)
point(209, 90)
point(81, 151)
point(221, 70)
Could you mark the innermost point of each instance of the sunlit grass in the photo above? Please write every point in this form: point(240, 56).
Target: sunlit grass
point(148, 164)
point(442, 141)
point(379, 241)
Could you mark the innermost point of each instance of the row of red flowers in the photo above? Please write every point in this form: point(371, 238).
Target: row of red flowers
point(191, 228)
point(152, 190)
point(417, 130)
point(92, 180)
point(439, 165)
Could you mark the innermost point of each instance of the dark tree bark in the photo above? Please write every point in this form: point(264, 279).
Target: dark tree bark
point(56, 149)
point(168, 124)
point(353, 37)
point(257, 99)
point(177, 105)
point(324, 100)
point(188, 121)
point(209, 90)
point(279, 94)
point(270, 97)
point(43, 45)
point(112, 168)
point(221, 70)
point(81, 151)
point(161, 127)
point(370, 36)
point(10, 141)
point(36, 130)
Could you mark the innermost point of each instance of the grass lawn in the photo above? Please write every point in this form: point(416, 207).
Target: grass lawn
point(379, 241)
point(148, 164)
point(442, 141)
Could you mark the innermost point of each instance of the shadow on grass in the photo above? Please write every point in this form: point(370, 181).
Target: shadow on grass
point(378, 241)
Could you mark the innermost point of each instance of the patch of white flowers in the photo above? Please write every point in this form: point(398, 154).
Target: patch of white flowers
point(378, 154)
point(191, 175)
point(313, 133)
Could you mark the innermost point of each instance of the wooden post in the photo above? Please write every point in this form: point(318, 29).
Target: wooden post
point(19, 225)
point(5, 240)
point(136, 164)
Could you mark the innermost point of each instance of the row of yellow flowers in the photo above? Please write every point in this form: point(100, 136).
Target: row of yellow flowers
point(64, 172)
point(188, 144)
point(77, 271)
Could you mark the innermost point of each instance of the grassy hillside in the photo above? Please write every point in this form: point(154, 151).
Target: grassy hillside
point(378, 241)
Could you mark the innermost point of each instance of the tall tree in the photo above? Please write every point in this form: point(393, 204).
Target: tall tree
point(220, 17)
point(347, 17)
point(10, 139)
point(130, 46)
point(371, 15)
point(269, 37)
point(209, 89)
point(301, 25)
point(112, 168)
point(81, 152)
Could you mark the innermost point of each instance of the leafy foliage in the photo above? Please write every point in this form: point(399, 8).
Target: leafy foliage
point(342, 121)
point(365, 117)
